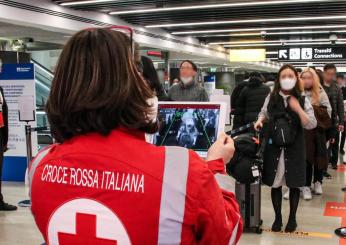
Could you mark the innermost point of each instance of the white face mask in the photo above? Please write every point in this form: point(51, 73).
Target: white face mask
point(154, 104)
point(186, 80)
point(288, 83)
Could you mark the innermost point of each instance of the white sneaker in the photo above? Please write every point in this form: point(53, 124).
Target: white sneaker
point(287, 194)
point(318, 188)
point(306, 193)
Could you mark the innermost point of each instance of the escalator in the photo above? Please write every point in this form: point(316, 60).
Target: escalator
point(43, 77)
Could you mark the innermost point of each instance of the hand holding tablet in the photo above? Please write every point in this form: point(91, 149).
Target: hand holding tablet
point(193, 125)
point(222, 148)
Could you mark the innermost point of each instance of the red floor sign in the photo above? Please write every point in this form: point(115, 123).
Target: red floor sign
point(336, 209)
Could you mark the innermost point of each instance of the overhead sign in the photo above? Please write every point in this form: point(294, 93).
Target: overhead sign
point(312, 54)
point(155, 53)
point(247, 55)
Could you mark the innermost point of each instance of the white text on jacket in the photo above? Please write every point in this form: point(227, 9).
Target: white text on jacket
point(106, 180)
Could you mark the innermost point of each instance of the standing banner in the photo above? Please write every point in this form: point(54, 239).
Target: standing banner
point(17, 80)
point(209, 84)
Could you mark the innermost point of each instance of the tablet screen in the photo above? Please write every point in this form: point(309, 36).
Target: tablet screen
point(193, 126)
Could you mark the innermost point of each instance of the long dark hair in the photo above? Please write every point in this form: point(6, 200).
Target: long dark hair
point(150, 74)
point(296, 91)
point(97, 88)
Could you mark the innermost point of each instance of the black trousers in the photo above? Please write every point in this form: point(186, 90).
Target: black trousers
point(343, 137)
point(313, 171)
point(333, 151)
point(1, 163)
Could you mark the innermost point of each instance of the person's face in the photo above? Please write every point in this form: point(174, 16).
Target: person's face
point(186, 70)
point(329, 75)
point(287, 74)
point(340, 81)
point(307, 79)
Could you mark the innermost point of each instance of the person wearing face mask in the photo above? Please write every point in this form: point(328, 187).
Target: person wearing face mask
point(315, 139)
point(103, 176)
point(188, 88)
point(283, 118)
point(336, 100)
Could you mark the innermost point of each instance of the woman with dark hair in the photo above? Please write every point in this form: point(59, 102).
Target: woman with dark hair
point(150, 74)
point(102, 182)
point(286, 113)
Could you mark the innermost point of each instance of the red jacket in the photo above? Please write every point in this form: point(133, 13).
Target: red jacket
point(121, 190)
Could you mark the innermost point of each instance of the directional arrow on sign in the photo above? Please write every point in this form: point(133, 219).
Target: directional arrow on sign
point(283, 54)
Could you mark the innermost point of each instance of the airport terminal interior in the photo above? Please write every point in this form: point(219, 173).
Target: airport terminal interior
point(255, 89)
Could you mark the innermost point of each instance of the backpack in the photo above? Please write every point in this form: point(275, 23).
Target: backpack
point(244, 159)
point(284, 129)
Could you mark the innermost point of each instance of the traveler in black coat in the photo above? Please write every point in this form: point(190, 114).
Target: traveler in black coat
point(234, 101)
point(251, 99)
point(341, 81)
point(285, 113)
point(3, 146)
point(336, 101)
point(150, 75)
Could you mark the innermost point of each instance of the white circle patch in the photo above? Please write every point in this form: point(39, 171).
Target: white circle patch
point(81, 220)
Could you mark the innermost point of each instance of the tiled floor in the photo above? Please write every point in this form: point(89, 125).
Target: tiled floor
point(19, 227)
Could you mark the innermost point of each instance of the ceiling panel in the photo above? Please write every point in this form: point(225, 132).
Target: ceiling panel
point(291, 10)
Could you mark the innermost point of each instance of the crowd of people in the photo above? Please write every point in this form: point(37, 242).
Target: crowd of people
point(136, 192)
point(110, 102)
point(301, 117)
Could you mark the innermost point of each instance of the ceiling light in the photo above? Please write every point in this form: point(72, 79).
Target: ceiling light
point(252, 45)
point(311, 43)
point(279, 44)
point(275, 44)
point(75, 3)
point(310, 18)
point(274, 41)
point(260, 29)
point(213, 6)
point(270, 33)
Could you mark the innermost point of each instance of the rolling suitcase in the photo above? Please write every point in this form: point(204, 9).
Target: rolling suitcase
point(248, 192)
point(249, 200)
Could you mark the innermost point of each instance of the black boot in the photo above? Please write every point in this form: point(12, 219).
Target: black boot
point(276, 194)
point(7, 207)
point(277, 225)
point(291, 225)
point(294, 201)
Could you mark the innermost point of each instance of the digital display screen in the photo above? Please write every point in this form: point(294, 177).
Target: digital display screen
point(190, 126)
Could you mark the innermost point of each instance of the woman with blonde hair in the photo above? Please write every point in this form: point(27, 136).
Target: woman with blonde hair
point(315, 139)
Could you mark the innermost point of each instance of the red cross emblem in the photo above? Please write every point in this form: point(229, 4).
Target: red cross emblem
point(85, 233)
point(86, 222)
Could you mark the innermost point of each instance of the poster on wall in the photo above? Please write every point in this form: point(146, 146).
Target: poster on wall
point(17, 81)
point(209, 84)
